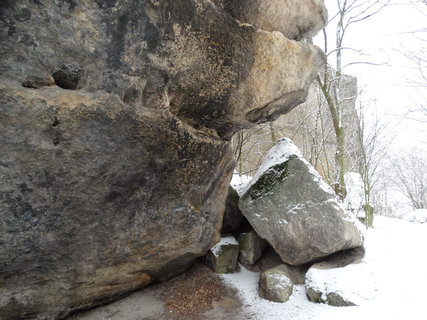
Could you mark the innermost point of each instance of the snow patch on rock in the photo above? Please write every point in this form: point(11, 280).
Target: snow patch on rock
point(280, 153)
point(354, 283)
point(223, 242)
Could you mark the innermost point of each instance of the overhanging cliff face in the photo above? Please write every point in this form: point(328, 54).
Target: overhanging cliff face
point(114, 153)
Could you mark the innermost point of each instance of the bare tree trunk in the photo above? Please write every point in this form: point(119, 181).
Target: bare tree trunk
point(349, 12)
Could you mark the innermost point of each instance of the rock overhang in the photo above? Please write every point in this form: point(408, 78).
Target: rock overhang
point(115, 159)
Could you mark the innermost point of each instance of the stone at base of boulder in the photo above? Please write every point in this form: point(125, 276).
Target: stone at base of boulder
point(274, 285)
point(271, 259)
point(251, 247)
point(222, 258)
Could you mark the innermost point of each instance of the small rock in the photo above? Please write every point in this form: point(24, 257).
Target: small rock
point(275, 285)
point(271, 259)
point(251, 247)
point(222, 258)
point(295, 273)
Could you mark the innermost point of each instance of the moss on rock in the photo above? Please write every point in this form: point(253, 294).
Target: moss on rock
point(269, 179)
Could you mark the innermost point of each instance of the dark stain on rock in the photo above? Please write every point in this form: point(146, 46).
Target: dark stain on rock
point(228, 64)
point(131, 95)
point(27, 40)
point(71, 4)
point(11, 30)
point(157, 81)
point(23, 187)
point(111, 196)
point(132, 22)
point(24, 15)
point(105, 4)
point(67, 77)
point(152, 36)
point(6, 5)
point(55, 122)
point(18, 311)
point(118, 38)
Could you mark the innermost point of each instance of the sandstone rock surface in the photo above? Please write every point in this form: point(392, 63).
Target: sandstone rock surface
point(290, 206)
point(115, 118)
point(306, 18)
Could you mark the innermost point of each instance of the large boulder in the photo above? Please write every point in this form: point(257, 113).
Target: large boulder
point(115, 118)
point(91, 206)
point(290, 206)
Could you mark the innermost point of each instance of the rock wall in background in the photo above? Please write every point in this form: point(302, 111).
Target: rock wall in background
point(115, 122)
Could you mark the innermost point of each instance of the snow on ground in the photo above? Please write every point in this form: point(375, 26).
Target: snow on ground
point(418, 216)
point(390, 282)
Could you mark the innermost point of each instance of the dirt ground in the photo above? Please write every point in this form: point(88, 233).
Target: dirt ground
point(198, 294)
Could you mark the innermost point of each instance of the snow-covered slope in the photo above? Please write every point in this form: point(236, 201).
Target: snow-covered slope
point(417, 216)
point(391, 281)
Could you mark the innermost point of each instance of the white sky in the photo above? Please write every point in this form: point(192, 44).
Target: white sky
point(381, 37)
